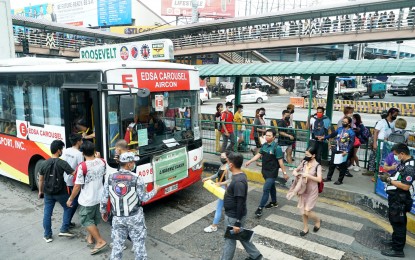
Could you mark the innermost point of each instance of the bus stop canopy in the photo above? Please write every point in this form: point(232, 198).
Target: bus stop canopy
point(311, 68)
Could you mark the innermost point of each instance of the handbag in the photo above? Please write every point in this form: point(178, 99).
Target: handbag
point(320, 184)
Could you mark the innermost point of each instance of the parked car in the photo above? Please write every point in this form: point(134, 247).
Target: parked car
point(249, 96)
point(402, 85)
point(205, 94)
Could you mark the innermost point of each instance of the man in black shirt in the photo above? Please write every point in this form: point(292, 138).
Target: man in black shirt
point(235, 208)
point(60, 196)
point(399, 199)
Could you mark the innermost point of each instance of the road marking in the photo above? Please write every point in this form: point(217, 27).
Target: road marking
point(270, 253)
point(327, 218)
point(191, 218)
point(299, 242)
point(336, 236)
point(337, 209)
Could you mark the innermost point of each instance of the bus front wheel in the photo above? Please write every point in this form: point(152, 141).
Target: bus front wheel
point(34, 183)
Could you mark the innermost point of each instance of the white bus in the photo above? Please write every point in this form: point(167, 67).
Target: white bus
point(142, 102)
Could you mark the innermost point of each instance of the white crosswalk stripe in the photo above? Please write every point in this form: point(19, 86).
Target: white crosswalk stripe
point(298, 242)
point(270, 253)
point(327, 218)
point(323, 232)
point(191, 218)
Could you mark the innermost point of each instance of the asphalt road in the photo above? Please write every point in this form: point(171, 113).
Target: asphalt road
point(175, 229)
point(276, 104)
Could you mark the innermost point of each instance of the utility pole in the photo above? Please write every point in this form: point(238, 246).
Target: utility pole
point(6, 31)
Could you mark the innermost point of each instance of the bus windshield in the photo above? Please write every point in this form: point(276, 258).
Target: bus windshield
point(153, 123)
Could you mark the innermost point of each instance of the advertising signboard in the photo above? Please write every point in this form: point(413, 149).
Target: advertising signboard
point(207, 8)
point(170, 167)
point(136, 29)
point(112, 12)
point(144, 50)
point(380, 188)
point(42, 134)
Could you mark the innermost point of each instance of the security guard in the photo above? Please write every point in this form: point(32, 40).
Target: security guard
point(399, 199)
point(126, 191)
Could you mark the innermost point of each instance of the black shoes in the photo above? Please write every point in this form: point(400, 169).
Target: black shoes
point(315, 229)
point(349, 174)
point(257, 258)
point(392, 253)
point(338, 183)
point(271, 205)
point(326, 180)
point(258, 212)
point(302, 233)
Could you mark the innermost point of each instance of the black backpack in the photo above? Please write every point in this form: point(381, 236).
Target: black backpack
point(54, 182)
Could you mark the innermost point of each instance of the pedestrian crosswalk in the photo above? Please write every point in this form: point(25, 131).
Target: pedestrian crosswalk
point(277, 233)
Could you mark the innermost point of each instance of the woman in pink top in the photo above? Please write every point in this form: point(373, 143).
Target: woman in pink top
point(310, 169)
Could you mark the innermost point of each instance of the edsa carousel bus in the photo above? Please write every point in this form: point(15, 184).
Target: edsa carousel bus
point(140, 101)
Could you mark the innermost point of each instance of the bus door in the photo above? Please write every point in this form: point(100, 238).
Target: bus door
point(82, 114)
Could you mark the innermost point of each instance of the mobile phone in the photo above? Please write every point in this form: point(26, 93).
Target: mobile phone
point(41, 196)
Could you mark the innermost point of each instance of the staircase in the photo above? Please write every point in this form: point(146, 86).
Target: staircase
point(233, 57)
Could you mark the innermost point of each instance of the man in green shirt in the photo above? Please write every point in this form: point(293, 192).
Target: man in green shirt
point(272, 161)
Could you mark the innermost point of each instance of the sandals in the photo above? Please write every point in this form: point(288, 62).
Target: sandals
point(99, 249)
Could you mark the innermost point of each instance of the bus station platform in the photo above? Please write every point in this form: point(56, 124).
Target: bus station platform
point(357, 190)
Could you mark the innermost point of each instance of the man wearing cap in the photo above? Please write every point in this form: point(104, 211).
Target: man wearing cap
point(126, 190)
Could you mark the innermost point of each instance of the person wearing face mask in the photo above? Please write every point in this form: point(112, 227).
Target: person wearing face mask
point(227, 128)
point(239, 120)
point(60, 196)
point(128, 214)
point(258, 129)
point(286, 136)
point(218, 126)
point(224, 177)
point(344, 144)
point(311, 170)
point(385, 127)
point(319, 124)
point(399, 199)
point(347, 112)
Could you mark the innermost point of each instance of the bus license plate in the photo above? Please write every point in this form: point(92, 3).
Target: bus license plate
point(171, 188)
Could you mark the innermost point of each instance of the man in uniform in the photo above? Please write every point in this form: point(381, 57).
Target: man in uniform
point(128, 216)
point(399, 199)
point(272, 161)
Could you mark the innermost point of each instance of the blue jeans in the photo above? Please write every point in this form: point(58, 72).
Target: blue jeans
point(269, 188)
point(50, 201)
point(74, 204)
point(218, 212)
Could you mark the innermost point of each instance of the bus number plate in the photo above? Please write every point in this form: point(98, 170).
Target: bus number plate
point(171, 188)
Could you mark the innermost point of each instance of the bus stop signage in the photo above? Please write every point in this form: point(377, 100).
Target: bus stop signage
point(145, 50)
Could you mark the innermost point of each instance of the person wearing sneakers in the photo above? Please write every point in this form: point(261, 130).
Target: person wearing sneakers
point(54, 166)
point(127, 191)
point(272, 161)
point(224, 177)
point(344, 143)
point(89, 182)
point(234, 203)
point(311, 170)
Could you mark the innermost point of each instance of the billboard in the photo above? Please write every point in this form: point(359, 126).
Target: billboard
point(207, 8)
point(86, 13)
point(136, 29)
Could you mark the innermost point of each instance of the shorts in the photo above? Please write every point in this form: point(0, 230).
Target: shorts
point(89, 215)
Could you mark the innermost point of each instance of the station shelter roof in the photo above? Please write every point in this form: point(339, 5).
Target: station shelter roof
point(311, 68)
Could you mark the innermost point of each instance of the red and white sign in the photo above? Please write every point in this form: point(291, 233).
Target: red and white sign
point(206, 8)
point(146, 172)
point(159, 102)
point(45, 134)
point(163, 80)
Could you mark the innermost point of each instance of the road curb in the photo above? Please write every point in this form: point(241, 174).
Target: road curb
point(377, 204)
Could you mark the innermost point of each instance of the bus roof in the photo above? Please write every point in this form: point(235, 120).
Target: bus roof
point(27, 65)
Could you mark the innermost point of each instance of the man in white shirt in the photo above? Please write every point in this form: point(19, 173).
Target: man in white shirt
point(385, 127)
point(89, 181)
point(73, 156)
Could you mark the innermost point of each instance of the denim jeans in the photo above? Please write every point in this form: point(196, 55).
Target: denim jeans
point(74, 204)
point(218, 212)
point(50, 201)
point(269, 188)
point(230, 244)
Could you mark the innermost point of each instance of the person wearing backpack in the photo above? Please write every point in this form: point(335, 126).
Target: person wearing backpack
point(399, 135)
point(400, 200)
point(319, 124)
point(89, 182)
point(53, 189)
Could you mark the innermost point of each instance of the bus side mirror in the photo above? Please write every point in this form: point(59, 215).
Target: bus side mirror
point(143, 92)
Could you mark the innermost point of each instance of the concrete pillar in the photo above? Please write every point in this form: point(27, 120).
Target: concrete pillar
point(346, 52)
point(6, 31)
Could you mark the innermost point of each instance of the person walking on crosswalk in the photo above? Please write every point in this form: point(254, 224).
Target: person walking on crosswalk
point(311, 170)
point(235, 209)
point(272, 161)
